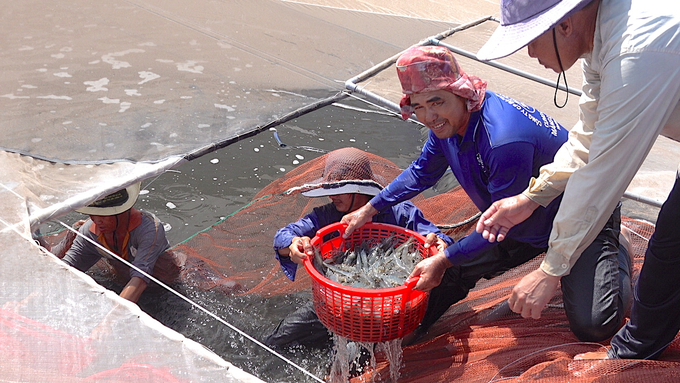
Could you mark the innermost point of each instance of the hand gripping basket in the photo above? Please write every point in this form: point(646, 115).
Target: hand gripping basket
point(366, 315)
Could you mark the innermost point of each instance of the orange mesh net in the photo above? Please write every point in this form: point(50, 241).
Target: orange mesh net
point(238, 252)
point(480, 340)
point(477, 340)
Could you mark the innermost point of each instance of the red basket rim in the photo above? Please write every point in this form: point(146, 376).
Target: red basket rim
point(340, 227)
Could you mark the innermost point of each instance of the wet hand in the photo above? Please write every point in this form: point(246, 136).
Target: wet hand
point(300, 249)
point(533, 293)
point(358, 218)
point(434, 239)
point(431, 271)
point(503, 214)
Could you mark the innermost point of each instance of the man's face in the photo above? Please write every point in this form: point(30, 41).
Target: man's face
point(543, 49)
point(444, 113)
point(105, 224)
point(346, 204)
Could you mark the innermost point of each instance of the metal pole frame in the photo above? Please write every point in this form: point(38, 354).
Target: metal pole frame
point(353, 86)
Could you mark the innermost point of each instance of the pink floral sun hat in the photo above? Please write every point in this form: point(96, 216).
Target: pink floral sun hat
point(428, 68)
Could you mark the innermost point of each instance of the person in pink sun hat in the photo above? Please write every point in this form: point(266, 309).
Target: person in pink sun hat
point(629, 51)
point(494, 145)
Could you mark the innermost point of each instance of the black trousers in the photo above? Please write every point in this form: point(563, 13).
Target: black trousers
point(655, 316)
point(596, 293)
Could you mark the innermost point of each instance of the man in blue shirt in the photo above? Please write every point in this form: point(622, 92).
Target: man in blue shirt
point(349, 182)
point(494, 145)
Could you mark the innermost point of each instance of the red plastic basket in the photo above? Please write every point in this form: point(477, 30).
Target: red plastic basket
point(366, 315)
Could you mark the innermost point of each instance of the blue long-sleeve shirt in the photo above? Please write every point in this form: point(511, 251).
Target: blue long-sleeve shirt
point(505, 144)
point(403, 214)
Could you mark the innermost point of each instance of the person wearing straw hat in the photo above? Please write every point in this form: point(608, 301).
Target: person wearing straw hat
point(630, 51)
point(349, 182)
point(134, 235)
point(494, 144)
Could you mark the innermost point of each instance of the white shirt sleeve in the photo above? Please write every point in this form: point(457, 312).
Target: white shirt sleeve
point(624, 107)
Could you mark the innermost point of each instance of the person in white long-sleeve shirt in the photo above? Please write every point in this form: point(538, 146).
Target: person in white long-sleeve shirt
point(630, 51)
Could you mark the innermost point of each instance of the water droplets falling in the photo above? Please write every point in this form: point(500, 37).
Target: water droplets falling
point(353, 359)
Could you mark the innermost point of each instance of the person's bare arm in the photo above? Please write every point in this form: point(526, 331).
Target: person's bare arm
point(134, 289)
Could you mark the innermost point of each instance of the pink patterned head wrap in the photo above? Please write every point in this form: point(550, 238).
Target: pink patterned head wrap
point(429, 68)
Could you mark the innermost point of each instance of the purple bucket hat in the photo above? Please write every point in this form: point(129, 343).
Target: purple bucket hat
point(522, 21)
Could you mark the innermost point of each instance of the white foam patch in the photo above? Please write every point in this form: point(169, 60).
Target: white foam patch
point(11, 96)
point(55, 97)
point(132, 92)
point(111, 58)
point(227, 107)
point(97, 86)
point(147, 76)
point(124, 106)
point(190, 66)
point(26, 48)
point(107, 100)
point(62, 74)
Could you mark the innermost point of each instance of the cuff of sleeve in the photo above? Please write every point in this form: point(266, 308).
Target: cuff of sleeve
point(555, 264)
point(452, 253)
point(448, 240)
point(287, 265)
point(378, 203)
point(541, 192)
point(140, 275)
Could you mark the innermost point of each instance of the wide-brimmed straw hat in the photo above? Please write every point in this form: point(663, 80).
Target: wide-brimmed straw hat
point(522, 21)
point(114, 203)
point(346, 170)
